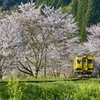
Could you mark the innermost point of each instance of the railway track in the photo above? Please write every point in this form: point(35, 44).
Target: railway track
point(41, 81)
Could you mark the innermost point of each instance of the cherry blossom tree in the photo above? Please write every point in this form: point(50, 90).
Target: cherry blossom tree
point(27, 36)
point(54, 25)
point(93, 43)
point(9, 37)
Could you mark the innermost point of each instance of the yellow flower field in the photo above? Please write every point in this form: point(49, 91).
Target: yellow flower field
point(88, 89)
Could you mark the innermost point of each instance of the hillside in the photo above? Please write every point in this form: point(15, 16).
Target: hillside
point(8, 4)
point(54, 3)
point(86, 12)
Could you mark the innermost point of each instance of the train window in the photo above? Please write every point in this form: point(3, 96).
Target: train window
point(79, 61)
point(89, 61)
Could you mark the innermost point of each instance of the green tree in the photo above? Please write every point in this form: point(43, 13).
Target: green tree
point(86, 21)
point(87, 12)
point(95, 12)
point(60, 3)
point(74, 6)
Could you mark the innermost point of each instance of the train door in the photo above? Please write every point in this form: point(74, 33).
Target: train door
point(84, 64)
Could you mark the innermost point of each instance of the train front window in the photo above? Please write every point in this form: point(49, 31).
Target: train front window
point(79, 61)
point(89, 61)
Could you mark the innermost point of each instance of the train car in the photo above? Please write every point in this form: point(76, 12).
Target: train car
point(83, 65)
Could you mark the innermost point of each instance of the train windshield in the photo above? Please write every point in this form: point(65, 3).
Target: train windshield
point(79, 61)
point(89, 61)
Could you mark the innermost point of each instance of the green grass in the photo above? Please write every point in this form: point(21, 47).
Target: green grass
point(88, 89)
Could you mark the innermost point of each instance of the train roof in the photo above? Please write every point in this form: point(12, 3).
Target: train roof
point(89, 57)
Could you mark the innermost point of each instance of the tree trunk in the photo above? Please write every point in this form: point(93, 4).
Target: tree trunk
point(1, 73)
point(36, 75)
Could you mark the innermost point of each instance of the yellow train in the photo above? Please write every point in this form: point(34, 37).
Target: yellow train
point(83, 65)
